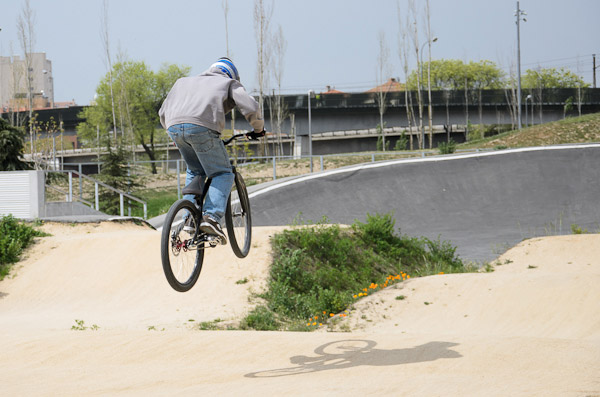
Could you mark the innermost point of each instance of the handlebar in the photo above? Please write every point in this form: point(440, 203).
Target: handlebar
point(236, 137)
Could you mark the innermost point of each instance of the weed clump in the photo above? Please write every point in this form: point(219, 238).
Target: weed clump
point(320, 268)
point(14, 238)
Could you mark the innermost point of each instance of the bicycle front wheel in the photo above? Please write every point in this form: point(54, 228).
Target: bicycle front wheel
point(238, 219)
point(181, 254)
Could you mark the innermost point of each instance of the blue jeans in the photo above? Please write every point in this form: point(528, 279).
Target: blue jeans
point(205, 155)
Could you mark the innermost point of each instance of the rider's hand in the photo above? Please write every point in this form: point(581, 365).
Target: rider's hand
point(255, 135)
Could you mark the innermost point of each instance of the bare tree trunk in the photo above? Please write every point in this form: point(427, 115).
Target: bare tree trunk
point(262, 18)
point(429, 108)
point(415, 40)
point(510, 110)
point(579, 98)
point(225, 5)
point(447, 97)
point(279, 49)
point(382, 73)
point(25, 25)
point(579, 91)
point(403, 53)
point(293, 134)
point(480, 109)
point(106, 45)
point(411, 116)
point(466, 109)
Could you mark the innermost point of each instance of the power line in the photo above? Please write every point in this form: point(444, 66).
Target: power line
point(560, 59)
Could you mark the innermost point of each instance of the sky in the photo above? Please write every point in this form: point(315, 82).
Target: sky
point(329, 42)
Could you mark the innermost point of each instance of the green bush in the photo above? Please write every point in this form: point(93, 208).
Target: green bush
point(14, 238)
point(261, 319)
point(447, 147)
point(318, 268)
point(401, 143)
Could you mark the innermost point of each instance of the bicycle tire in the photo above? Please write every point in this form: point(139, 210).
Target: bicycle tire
point(238, 218)
point(181, 266)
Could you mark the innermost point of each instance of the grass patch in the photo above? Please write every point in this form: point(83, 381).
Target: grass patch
point(15, 236)
point(569, 130)
point(261, 319)
point(158, 201)
point(319, 268)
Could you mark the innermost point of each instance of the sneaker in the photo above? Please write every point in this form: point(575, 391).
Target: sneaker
point(212, 228)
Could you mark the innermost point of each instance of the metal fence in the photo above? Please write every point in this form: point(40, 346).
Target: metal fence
point(70, 197)
point(275, 163)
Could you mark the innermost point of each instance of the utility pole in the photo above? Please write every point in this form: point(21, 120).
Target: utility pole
point(520, 15)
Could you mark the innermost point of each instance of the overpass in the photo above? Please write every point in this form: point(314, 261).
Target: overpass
point(358, 113)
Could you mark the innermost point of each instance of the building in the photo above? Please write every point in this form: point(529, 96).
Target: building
point(13, 83)
point(392, 85)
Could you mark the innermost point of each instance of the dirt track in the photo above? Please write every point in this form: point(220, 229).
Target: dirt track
point(532, 327)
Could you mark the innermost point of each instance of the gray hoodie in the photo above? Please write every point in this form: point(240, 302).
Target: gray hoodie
point(205, 99)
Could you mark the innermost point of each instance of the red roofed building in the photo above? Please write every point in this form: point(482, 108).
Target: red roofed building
point(392, 85)
point(332, 91)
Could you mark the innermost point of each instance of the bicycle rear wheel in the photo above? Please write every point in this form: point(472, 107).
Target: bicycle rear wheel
point(238, 219)
point(181, 255)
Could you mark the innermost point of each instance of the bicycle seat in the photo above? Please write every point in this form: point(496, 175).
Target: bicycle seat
point(195, 187)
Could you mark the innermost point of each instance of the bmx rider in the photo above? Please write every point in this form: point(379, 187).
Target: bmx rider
point(194, 116)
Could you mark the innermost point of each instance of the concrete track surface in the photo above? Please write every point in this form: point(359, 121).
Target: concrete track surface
point(530, 328)
point(483, 203)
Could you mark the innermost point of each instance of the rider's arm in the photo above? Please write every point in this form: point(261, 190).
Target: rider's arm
point(247, 106)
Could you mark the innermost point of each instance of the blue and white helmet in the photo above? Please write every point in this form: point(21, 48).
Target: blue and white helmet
point(226, 66)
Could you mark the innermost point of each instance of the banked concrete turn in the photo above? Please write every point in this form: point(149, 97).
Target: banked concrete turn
point(482, 202)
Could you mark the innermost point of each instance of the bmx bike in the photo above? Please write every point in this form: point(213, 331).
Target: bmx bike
point(182, 251)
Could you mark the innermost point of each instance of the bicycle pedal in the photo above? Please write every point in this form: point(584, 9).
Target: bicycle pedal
point(213, 241)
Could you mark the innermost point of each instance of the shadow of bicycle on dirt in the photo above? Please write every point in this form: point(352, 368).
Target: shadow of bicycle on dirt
point(357, 352)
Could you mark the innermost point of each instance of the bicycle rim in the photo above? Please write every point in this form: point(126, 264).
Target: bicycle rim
point(181, 257)
point(238, 219)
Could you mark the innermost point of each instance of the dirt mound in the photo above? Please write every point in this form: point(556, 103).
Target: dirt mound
point(542, 288)
point(531, 327)
point(109, 274)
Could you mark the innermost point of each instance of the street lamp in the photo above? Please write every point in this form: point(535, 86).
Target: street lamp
point(311, 94)
point(422, 47)
point(520, 15)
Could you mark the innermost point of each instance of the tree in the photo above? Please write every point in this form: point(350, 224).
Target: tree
point(25, 24)
point(484, 75)
point(141, 94)
point(452, 74)
point(429, 41)
point(414, 35)
point(114, 173)
point(403, 53)
point(225, 6)
point(279, 49)
point(551, 78)
point(383, 71)
point(262, 22)
point(11, 147)
point(108, 60)
point(543, 78)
